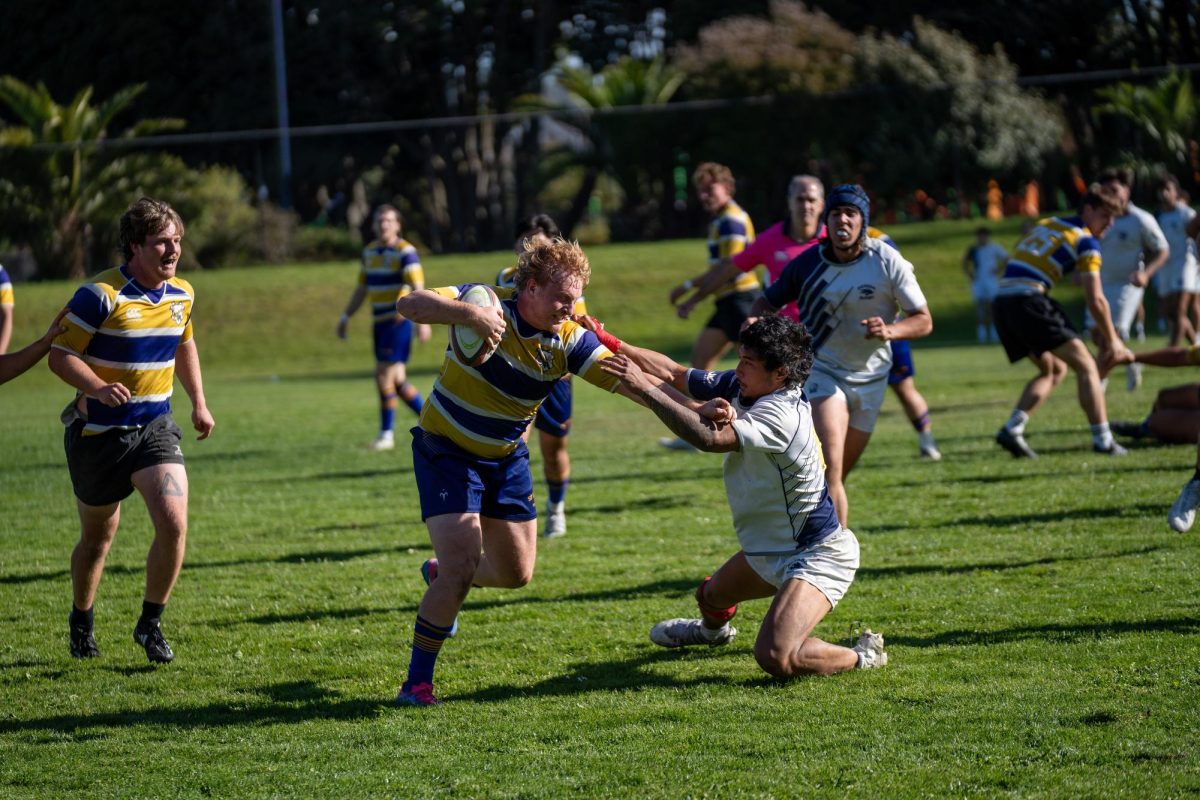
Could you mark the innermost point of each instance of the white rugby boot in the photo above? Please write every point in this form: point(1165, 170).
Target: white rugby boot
point(870, 650)
point(681, 632)
point(1183, 510)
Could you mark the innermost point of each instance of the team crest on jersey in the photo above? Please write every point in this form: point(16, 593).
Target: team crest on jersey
point(710, 378)
point(781, 255)
point(866, 291)
point(177, 313)
point(545, 358)
point(133, 313)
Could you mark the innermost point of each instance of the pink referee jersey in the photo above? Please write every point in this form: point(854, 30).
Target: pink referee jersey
point(774, 249)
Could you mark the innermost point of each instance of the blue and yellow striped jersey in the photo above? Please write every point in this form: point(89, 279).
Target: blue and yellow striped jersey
point(507, 278)
point(484, 410)
point(728, 234)
point(6, 290)
point(389, 273)
point(128, 334)
point(1056, 247)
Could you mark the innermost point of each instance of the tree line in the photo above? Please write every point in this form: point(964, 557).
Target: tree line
point(630, 96)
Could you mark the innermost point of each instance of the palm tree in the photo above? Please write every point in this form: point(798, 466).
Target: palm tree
point(56, 179)
point(1164, 112)
point(614, 144)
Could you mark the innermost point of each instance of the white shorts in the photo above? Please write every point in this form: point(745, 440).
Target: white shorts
point(1123, 301)
point(862, 399)
point(1176, 278)
point(829, 565)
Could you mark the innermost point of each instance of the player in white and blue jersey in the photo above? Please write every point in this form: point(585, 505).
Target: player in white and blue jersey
point(469, 454)
point(1179, 279)
point(792, 547)
point(390, 270)
point(848, 291)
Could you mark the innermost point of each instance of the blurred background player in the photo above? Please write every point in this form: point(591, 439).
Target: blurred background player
point(6, 310)
point(774, 248)
point(1179, 279)
point(792, 548)
point(1132, 250)
point(728, 234)
point(1033, 325)
point(129, 335)
point(469, 457)
point(390, 270)
point(848, 292)
point(983, 263)
point(553, 420)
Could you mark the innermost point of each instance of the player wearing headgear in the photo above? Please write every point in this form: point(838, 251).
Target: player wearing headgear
point(792, 547)
point(469, 455)
point(390, 270)
point(1033, 325)
point(848, 292)
point(553, 420)
point(729, 232)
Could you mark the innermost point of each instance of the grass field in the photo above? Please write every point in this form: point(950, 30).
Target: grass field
point(1043, 622)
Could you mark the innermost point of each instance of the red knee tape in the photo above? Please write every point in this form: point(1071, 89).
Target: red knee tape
point(710, 611)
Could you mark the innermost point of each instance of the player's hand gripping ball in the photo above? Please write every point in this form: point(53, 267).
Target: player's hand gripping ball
point(471, 348)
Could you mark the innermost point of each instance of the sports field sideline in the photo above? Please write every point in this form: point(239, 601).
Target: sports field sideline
point(1041, 618)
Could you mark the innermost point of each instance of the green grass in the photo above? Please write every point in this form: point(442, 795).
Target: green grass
point(1042, 620)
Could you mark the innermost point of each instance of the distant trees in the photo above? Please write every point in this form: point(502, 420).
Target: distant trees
point(54, 181)
point(1165, 120)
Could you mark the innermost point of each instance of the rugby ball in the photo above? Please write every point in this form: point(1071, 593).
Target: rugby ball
point(470, 348)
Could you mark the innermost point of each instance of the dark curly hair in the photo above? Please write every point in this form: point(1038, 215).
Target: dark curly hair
point(538, 223)
point(781, 342)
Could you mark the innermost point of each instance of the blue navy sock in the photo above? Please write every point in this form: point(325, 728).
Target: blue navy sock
point(413, 401)
point(556, 491)
point(82, 619)
point(921, 423)
point(387, 412)
point(427, 643)
point(151, 613)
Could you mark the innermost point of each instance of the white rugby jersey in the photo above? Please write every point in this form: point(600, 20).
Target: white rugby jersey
point(1131, 236)
point(776, 481)
point(834, 298)
point(1183, 249)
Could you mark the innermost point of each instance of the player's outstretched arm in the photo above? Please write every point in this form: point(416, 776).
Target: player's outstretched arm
point(13, 364)
point(705, 426)
point(1113, 349)
point(709, 282)
point(1164, 357)
point(657, 365)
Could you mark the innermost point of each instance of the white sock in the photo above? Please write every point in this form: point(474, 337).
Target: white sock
point(859, 665)
point(1016, 423)
point(711, 633)
point(925, 439)
point(1102, 436)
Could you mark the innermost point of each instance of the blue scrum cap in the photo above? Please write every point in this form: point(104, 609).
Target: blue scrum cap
point(849, 194)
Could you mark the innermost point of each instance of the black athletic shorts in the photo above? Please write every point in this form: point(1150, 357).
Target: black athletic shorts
point(732, 311)
point(1030, 324)
point(102, 465)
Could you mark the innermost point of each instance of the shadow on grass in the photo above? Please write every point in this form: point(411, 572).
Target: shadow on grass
point(1032, 518)
point(281, 703)
point(617, 675)
point(665, 476)
point(641, 504)
point(1050, 633)
point(995, 566)
point(310, 557)
point(335, 476)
